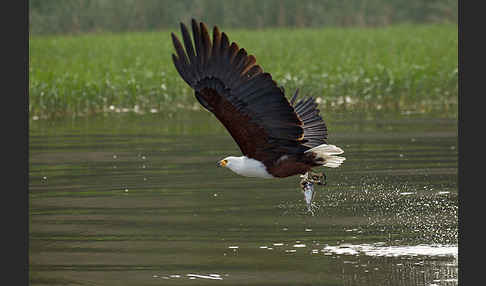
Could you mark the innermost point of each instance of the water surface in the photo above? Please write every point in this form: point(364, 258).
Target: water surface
point(137, 200)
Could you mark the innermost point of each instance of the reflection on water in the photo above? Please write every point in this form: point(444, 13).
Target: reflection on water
point(191, 276)
point(136, 200)
point(380, 249)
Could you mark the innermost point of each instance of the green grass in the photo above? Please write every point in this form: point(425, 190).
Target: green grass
point(412, 67)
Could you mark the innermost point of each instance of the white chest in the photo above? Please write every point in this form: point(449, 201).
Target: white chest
point(250, 168)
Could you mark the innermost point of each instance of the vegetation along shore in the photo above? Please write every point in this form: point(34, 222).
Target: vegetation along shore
point(404, 67)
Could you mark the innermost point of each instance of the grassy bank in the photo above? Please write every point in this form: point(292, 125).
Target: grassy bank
point(405, 67)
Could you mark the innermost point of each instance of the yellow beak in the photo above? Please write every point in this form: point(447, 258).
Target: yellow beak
point(222, 163)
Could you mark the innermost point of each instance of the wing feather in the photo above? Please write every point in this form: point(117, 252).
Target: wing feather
point(197, 44)
point(315, 129)
point(206, 45)
point(228, 82)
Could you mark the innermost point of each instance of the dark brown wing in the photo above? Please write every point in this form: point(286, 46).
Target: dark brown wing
point(315, 129)
point(245, 99)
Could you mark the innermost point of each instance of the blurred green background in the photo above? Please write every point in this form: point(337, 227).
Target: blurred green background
point(101, 56)
point(74, 16)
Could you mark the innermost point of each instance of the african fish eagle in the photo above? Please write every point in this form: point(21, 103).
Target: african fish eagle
point(278, 138)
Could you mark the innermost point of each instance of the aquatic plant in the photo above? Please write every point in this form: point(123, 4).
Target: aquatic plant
point(406, 67)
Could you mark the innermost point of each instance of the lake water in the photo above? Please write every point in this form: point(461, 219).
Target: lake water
point(128, 199)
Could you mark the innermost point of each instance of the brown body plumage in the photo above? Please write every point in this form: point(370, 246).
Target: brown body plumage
point(266, 126)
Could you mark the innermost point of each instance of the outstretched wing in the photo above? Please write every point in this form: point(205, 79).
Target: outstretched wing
point(228, 82)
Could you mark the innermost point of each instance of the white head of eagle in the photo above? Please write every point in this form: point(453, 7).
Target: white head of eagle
point(278, 137)
point(245, 166)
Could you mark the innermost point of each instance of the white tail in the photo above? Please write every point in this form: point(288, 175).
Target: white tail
point(326, 153)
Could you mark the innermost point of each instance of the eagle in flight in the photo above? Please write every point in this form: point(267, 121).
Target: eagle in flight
point(278, 138)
